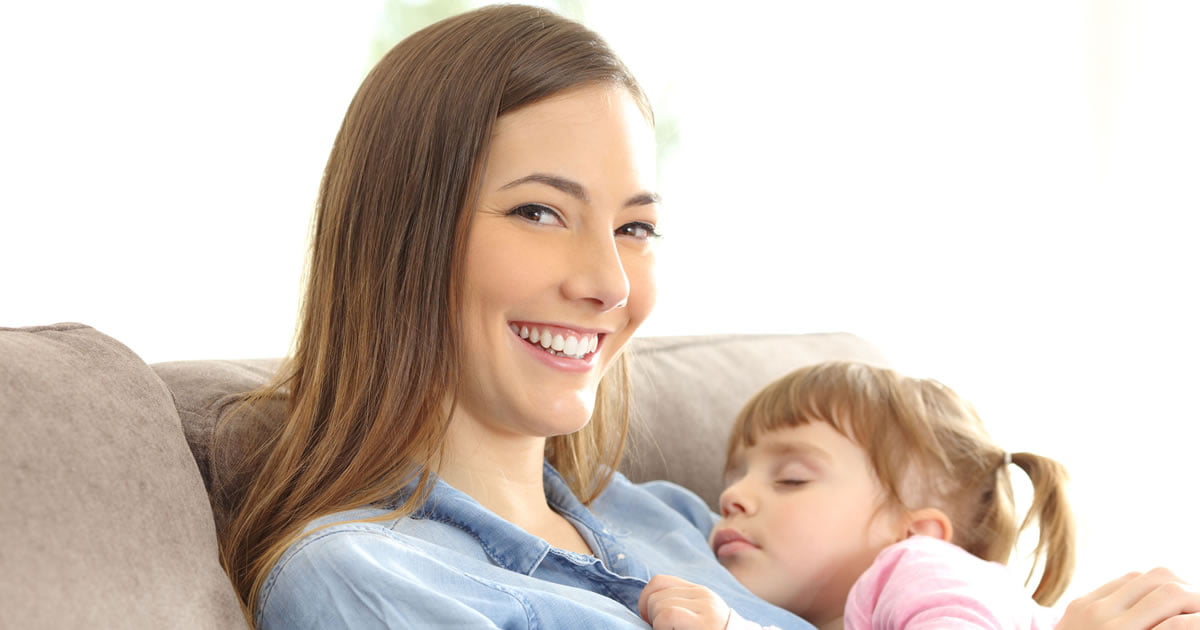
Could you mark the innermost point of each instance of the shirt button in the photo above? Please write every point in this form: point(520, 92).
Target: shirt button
point(620, 556)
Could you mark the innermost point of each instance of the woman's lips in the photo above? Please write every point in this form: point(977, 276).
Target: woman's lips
point(730, 542)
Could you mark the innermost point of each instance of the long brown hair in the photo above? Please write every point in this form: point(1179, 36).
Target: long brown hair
point(378, 341)
point(928, 448)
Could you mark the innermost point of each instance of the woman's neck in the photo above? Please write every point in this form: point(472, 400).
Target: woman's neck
point(502, 472)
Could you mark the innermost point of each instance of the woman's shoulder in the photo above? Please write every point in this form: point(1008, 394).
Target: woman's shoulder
point(347, 572)
point(337, 543)
point(623, 496)
point(375, 532)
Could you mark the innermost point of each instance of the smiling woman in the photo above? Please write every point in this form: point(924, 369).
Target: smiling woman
point(483, 252)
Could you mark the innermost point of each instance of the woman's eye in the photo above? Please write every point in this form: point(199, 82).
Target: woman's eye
point(638, 230)
point(537, 213)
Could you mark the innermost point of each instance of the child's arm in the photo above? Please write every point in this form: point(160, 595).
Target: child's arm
point(1156, 600)
point(671, 603)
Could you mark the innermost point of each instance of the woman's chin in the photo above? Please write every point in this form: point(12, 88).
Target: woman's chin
point(564, 428)
point(566, 418)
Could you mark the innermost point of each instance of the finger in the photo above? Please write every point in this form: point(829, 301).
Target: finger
point(1181, 622)
point(675, 617)
point(1135, 590)
point(656, 589)
point(1164, 602)
point(1110, 587)
point(656, 584)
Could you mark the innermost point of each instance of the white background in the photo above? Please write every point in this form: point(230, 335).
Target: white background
point(1001, 195)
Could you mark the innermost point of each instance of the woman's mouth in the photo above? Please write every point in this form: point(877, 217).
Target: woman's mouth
point(556, 341)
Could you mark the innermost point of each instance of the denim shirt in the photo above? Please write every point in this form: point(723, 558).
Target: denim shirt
point(455, 564)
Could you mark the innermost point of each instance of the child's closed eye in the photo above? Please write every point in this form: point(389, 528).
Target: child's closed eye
point(791, 483)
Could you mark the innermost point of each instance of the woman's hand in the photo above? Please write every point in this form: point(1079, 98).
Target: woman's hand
point(670, 603)
point(1157, 600)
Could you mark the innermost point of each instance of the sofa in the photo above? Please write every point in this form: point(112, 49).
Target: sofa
point(116, 475)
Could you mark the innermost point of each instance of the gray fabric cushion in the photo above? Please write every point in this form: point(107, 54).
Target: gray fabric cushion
point(686, 391)
point(105, 522)
point(208, 391)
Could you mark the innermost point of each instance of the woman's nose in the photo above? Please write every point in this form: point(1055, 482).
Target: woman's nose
point(598, 275)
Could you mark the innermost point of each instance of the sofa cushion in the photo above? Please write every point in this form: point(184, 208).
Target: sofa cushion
point(206, 392)
point(686, 391)
point(105, 521)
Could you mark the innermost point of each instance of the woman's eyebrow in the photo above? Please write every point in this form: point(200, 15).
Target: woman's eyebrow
point(643, 199)
point(575, 189)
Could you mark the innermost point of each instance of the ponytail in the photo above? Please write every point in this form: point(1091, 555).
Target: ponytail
point(1056, 527)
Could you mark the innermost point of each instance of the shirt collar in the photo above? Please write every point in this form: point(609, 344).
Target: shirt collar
point(506, 544)
point(560, 497)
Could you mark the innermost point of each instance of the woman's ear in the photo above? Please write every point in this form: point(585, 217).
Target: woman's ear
point(930, 522)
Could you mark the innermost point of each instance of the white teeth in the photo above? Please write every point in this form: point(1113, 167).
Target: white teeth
point(558, 345)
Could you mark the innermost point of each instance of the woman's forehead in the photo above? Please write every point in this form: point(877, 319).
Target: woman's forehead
point(588, 134)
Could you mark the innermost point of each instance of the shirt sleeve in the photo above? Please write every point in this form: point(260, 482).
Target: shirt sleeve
point(924, 583)
point(335, 580)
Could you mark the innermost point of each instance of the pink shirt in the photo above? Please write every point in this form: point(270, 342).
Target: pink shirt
point(924, 583)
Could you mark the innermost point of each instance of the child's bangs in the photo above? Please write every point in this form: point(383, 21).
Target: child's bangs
point(829, 393)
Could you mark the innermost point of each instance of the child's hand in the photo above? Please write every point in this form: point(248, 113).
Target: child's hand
point(670, 603)
point(1156, 600)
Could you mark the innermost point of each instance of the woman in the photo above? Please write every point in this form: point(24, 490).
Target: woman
point(483, 252)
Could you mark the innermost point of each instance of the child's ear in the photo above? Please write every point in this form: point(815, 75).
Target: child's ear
point(930, 522)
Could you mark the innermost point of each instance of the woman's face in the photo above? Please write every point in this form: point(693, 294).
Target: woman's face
point(559, 263)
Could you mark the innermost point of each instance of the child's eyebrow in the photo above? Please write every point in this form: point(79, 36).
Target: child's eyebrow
point(800, 449)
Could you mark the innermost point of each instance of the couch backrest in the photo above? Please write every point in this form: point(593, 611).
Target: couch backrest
point(686, 391)
point(105, 521)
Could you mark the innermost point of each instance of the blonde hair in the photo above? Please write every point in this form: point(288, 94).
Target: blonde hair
point(368, 382)
point(919, 434)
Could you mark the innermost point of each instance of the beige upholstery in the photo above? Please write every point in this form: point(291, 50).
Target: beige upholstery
point(106, 521)
point(206, 391)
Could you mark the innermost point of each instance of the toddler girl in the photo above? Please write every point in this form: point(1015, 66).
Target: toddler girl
point(860, 498)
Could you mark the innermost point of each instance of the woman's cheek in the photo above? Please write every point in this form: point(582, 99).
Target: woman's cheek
point(643, 285)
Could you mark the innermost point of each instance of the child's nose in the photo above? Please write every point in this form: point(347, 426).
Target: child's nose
point(733, 500)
